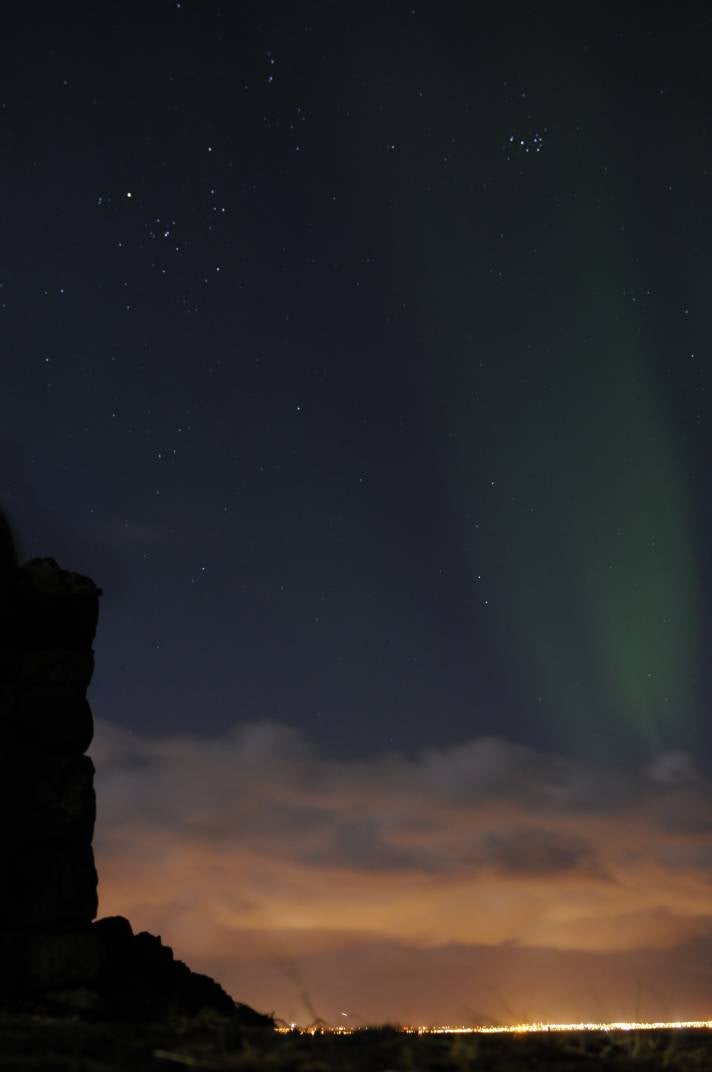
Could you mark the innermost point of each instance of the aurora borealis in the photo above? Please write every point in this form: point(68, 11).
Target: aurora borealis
point(586, 529)
point(360, 356)
point(569, 473)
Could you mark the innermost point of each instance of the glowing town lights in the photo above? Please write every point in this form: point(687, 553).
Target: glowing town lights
point(522, 1029)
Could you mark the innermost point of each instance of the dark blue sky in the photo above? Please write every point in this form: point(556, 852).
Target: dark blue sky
point(292, 301)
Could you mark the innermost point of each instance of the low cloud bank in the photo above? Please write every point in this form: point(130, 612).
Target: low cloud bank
point(485, 880)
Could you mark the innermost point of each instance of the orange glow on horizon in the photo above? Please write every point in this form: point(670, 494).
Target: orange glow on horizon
point(271, 867)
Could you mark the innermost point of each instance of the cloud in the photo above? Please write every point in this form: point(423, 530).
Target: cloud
point(530, 850)
point(254, 850)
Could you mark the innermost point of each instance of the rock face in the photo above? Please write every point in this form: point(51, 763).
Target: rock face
point(47, 806)
point(50, 943)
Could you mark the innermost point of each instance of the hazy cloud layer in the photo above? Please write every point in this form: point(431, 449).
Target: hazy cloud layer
point(472, 868)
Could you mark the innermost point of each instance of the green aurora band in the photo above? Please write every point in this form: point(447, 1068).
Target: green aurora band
point(567, 487)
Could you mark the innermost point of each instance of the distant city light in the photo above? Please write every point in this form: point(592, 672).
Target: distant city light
point(519, 1029)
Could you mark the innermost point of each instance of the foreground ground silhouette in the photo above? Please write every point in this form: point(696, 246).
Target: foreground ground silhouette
point(218, 1044)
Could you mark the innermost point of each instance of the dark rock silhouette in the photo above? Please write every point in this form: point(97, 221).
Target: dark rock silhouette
point(8, 551)
point(51, 947)
point(47, 802)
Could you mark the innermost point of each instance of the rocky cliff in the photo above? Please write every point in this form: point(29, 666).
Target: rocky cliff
point(52, 948)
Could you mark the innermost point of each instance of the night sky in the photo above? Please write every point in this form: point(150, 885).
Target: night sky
point(360, 355)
